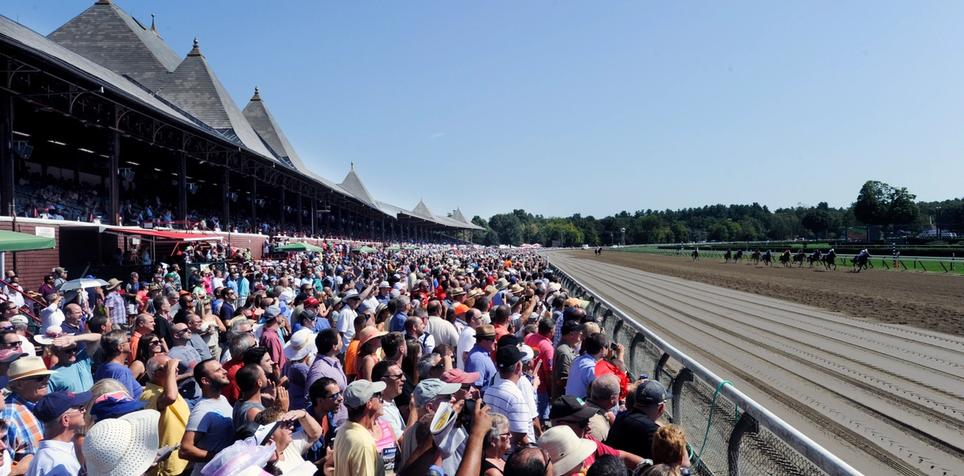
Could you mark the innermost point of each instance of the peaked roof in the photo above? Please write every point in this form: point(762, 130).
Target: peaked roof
point(458, 217)
point(354, 186)
point(264, 124)
point(108, 36)
point(195, 88)
point(422, 211)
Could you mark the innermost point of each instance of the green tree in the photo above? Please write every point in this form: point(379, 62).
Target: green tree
point(508, 227)
point(817, 220)
point(901, 208)
point(871, 207)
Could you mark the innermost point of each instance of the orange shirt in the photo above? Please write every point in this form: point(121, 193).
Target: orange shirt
point(351, 358)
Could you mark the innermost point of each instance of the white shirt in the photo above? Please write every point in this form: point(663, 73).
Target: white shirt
point(466, 342)
point(5, 466)
point(54, 458)
point(51, 316)
point(443, 331)
point(294, 463)
point(393, 417)
point(346, 325)
point(27, 347)
point(505, 397)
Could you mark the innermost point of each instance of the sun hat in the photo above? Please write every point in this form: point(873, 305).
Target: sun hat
point(566, 450)
point(351, 294)
point(369, 333)
point(122, 446)
point(26, 367)
point(272, 312)
point(516, 289)
point(456, 291)
point(51, 333)
point(384, 284)
point(113, 283)
point(430, 388)
point(301, 344)
point(460, 309)
point(52, 405)
point(501, 284)
point(485, 331)
point(9, 355)
point(359, 392)
point(457, 375)
point(554, 287)
point(529, 353)
point(569, 408)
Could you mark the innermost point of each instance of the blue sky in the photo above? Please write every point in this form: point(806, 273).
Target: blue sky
point(592, 107)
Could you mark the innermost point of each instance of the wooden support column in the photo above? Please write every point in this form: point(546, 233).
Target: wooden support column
point(314, 214)
point(7, 159)
point(254, 202)
point(226, 200)
point(182, 189)
point(301, 213)
point(113, 178)
point(282, 208)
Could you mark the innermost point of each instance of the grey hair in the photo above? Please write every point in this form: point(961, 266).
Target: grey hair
point(499, 423)
point(240, 343)
point(605, 386)
point(152, 367)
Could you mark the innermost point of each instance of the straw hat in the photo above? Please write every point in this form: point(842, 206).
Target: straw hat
point(122, 446)
point(26, 367)
point(113, 283)
point(369, 333)
point(566, 450)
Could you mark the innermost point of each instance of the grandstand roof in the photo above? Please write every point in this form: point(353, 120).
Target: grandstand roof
point(458, 217)
point(264, 124)
point(110, 37)
point(194, 87)
point(356, 188)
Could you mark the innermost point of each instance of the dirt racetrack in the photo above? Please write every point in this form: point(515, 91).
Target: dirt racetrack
point(874, 387)
point(929, 301)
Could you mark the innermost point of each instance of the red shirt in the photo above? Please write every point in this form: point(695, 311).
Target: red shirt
point(231, 390)
point(604, 367)
point(601, 450)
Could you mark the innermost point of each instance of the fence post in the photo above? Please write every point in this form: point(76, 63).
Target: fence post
point(942, 266)
point(659, 366)
point(638, 340)
point(684, 375)
point(616, 328)
point(746, 424)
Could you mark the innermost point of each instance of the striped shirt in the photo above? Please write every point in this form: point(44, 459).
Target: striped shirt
point(24, 430)
point(504, 397)
point(116, 307)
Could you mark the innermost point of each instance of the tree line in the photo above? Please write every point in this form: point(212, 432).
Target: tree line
point(879, 206)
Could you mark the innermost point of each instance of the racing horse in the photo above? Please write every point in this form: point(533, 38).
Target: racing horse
point(738, 256)
point(798, 258)
point(727, 256)
point(695, 254)
point(785, 258)
point(814, 257)
point(767, 258)
point(859, 262)
point(755, 256)
point(830, 260)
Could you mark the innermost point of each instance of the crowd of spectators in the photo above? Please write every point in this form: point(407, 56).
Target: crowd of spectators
point(437, 360)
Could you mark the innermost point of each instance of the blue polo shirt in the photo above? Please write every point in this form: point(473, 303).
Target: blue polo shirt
point(480, 360)
point(75, 377)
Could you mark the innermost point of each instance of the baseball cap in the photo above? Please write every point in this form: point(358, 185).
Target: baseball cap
point(508, 356)
point(311, 302)
point(55, 404)
point(430, 388)
point(571, 326)
point(651, 392)
point(507, 340)
point(9, 355)
point(570, 408)
point(272, 312)
point(457, 375)
point(359, 392)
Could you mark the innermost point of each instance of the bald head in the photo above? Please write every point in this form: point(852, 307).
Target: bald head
point(154, 365)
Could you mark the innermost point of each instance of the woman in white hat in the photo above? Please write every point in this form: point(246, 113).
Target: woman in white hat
point(300, 351)
point(567, 451)
point(125, 446)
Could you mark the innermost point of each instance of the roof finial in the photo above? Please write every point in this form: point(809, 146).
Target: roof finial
point(102, 2)
point(153, 25)
point(196, 50)
point(353, 166)
point(257, 94)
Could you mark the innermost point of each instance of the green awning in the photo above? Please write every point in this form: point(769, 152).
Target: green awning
point(14, 241)
point(299, 246)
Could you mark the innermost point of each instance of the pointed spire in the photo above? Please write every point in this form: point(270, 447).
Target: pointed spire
point(353, 166)
point(102, 2)
point(196, 50)
point(257, 94)
point(153, 24)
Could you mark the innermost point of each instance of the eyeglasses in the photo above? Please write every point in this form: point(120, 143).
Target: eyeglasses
point(335, 396)
point(396, 376)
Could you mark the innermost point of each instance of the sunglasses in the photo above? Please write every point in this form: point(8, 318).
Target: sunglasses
point(10, 345)
point(335, 396)
point(155, 342)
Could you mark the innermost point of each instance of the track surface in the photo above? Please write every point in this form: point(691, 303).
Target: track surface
point(888, 399)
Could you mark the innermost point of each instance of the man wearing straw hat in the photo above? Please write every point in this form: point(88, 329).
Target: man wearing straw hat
point(115, 304)
point(28, 384)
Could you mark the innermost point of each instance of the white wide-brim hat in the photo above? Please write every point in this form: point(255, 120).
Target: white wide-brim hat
point(301, 344)
point(122, 446)
point(566, 450)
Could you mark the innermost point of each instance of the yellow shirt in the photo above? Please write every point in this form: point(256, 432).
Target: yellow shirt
point(355, 452)
point(171, 426)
